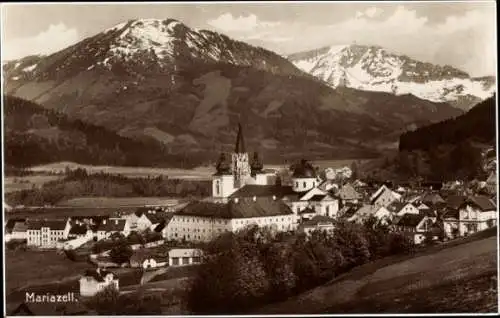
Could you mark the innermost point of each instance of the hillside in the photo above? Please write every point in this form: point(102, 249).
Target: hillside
point(464, 281)
point(187, 89)
point(478, 124)
point(35, 135)
point(374, 68)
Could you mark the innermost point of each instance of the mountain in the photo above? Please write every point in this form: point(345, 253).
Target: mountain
point(35, 135)
point(373, 68)
point(478, 125)
point(160, 80)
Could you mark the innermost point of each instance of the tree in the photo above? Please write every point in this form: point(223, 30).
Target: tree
point(121, 252)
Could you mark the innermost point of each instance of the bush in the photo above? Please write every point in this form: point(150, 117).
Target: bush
point(121, 252)
point(253, 266)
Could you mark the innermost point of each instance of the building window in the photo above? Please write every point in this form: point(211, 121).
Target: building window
point(218, 187)
point(304, 184)
point(185, 260)
point(296, 184)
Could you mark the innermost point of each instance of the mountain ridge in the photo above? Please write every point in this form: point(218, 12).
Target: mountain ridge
point(373, 68)
point(159, 79)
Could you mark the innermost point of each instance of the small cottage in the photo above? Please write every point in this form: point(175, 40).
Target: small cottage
point(94, 281)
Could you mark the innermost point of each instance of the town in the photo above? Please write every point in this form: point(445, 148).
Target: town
point(245, 194)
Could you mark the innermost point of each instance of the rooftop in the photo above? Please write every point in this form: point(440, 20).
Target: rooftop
point(53, 224)
point(243, 208)
point(251, 190)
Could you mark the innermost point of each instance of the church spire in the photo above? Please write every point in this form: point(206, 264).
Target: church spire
point(240, 143)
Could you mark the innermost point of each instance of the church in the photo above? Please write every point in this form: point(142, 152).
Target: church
point(244, 178)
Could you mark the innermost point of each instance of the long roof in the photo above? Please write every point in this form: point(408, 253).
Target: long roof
point(112, 225)
point(52, 224)
point(251, 190)
point(483, 202)
point(244, 208)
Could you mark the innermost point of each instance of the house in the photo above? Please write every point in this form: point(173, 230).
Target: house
point(19, 231)
point(477, 213)
point(384, 196)
point(144, 259)
point(317, 223)
point(367, 211)
point(111, 226)
point(184, 256)
point(451, 223)
point(416, 226)
point(9, 228)
point(46, 233)
point(93, 281)
point(203, 221)
point(433, 199)
point(347, 194)
point(80, 231)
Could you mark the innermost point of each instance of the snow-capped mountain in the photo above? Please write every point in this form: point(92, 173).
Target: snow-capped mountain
point(373, 68)
point(146, 45)
point(161, 80)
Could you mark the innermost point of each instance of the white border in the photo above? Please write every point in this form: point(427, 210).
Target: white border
point(245, 3)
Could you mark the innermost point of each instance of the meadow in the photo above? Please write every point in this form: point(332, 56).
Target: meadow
point(12, 184)
point(455, 277)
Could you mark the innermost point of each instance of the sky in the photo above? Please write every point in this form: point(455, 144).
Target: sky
point(461, 34)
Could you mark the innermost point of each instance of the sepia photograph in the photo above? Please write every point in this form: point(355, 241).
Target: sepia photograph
point(260, 158)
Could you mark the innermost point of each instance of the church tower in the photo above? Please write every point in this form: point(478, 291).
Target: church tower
point(241, 165)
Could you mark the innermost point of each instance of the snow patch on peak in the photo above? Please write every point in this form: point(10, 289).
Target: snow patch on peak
point(116, 27)
point(334, 49)
point(373, 68)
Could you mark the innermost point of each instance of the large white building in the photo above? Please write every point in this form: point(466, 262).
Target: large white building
point(204, 221)
point(46, 233)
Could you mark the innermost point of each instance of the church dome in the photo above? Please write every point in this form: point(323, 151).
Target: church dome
point(223, 165)
point(303, 170)
point(256, 163)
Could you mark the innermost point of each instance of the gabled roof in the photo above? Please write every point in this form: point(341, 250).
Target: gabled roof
point(317, 197)
point(410, 220)
point(251, 190)
point(19, 227)
point(383, 189)
point(396, 206)
point(432, 198)
point(244, 208)
point(52, 224)
point(112, 225)
point(455, 201)
point(11, 223)
point(482, 202)
point(78, 229)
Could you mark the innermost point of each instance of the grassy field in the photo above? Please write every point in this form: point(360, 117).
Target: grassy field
point(31, 268)
point(12, 184)
point(199, 173)
point(108, 202)
point(456, 278)
point(64, 212)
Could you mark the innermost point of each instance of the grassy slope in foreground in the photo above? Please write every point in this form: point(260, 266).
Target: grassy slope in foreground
point(458, 278)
